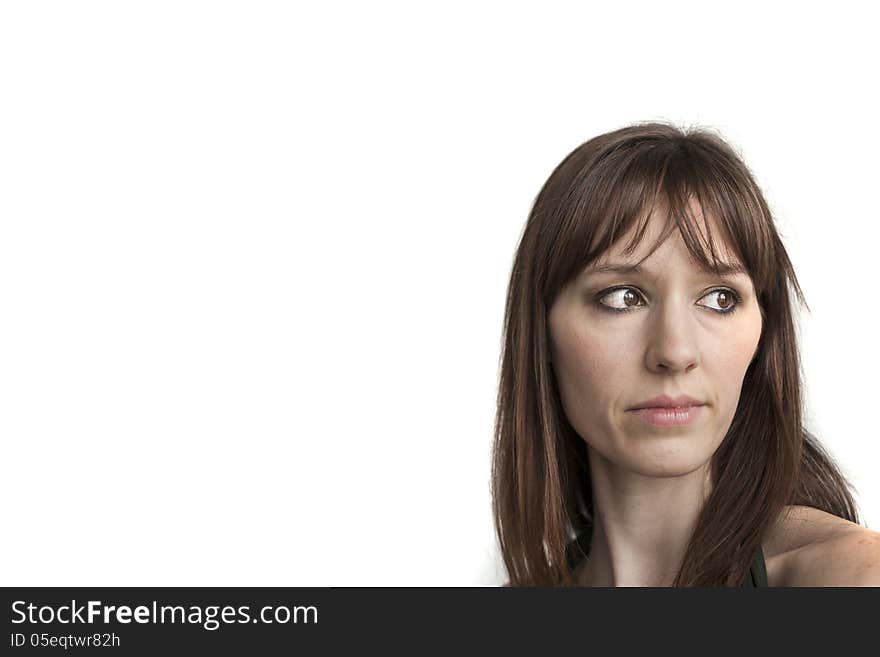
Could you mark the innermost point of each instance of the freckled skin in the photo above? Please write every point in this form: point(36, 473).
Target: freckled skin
point(672, 342)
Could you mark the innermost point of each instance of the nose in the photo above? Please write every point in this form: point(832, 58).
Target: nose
point(671, 340)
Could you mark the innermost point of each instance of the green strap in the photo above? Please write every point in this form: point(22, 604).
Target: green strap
point(758, 571)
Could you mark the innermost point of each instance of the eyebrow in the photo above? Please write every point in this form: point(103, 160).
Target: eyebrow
point(724, 269)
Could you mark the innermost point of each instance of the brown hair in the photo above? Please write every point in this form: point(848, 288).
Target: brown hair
point(540, 480)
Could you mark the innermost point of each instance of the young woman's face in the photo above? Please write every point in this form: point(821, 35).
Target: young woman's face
point(674, 340)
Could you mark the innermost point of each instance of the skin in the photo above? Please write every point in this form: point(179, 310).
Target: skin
point(649, 483)
point(809, 547)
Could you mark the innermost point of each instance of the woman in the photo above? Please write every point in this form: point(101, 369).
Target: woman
point(649, 429)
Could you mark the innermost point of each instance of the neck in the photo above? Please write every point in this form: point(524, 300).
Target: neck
point(641, 524)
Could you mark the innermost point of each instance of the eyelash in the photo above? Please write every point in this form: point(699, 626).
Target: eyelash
point(605, 293)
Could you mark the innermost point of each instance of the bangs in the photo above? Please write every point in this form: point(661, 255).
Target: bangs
point(694, 187)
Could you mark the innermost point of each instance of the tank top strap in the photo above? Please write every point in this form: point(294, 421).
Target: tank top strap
point(757, 576)
point(578, 549)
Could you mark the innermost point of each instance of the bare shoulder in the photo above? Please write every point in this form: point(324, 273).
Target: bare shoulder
point(809, 547)
point(851, 558)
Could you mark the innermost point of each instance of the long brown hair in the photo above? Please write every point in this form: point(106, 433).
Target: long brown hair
point(541, 485)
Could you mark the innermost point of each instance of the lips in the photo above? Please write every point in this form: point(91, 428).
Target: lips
point(665, 401)
point(670, 417)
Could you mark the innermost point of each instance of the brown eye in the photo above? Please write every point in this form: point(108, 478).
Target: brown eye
point(727, 300)
point(622, 299)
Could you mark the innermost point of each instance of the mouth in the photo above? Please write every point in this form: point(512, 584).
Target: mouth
point(665, 401)
point(675, 416)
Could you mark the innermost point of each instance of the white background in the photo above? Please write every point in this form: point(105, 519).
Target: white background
point(253, 258)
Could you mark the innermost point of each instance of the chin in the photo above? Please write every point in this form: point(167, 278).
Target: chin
point(666, 463)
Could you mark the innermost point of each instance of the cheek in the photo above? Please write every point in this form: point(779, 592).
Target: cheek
point(587, 369)
point(729, 359)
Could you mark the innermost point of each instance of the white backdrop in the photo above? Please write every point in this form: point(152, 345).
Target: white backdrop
point(253, 258)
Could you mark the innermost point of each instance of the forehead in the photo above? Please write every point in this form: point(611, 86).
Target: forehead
point(655, 242)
